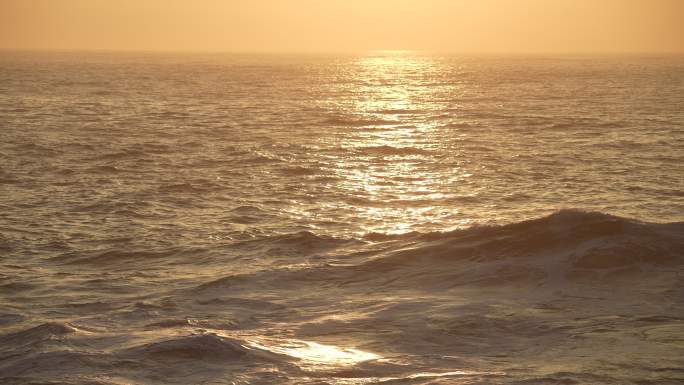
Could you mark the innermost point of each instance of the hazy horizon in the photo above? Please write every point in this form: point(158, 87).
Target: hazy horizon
point(482, 54)
point(305, 26)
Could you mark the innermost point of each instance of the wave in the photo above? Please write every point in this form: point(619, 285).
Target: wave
point(561, 248)
point(564, 225)
point(249, 214)
point(207, 347)
point(7, 178)
point(31, 147)
point(259, 158)
point(299, 171)
point(301, 243)
point(196, 187)
point(20, 368)
point(42, 332)
point(106, 169)
point(136, 154)
point(569, 239)
point(117, 256)
point(248, 210)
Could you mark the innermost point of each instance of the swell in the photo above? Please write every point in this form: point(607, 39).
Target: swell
point(561, 248)
point(557, 229)
point(560, 244)
point(118, 256)
point(54, 349)
point(42, 332)
point(300, 243)
point(207, 346)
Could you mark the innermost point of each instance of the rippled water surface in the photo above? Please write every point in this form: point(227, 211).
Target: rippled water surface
point(391, 217)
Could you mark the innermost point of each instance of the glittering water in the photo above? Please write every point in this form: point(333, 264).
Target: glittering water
point(319, 219)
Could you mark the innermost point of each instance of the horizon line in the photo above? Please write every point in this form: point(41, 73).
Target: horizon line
point(343, 52)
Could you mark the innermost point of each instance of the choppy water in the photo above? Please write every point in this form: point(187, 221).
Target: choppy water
point(383, 218)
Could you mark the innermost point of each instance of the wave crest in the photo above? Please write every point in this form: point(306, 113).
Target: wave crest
point(207, 347)
point(560, 244)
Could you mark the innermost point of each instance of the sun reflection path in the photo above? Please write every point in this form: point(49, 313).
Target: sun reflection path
point(390, 164)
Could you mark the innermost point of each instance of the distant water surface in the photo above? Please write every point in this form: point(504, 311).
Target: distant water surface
point(394, 218)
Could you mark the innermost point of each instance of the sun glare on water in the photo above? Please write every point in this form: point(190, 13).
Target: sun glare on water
point(315, 356)
point(395, 102)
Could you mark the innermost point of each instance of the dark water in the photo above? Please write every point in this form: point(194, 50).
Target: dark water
point(384, 218)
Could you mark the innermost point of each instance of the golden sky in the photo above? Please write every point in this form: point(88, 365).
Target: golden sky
point(467, 26)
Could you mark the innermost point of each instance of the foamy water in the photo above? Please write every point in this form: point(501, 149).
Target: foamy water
point(382, 218)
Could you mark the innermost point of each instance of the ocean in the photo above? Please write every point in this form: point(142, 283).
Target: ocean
point(376, 218)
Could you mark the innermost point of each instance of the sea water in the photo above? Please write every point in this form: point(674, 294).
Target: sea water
point(385, 217)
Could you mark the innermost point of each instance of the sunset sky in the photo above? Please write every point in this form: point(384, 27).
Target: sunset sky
point(489, 26)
